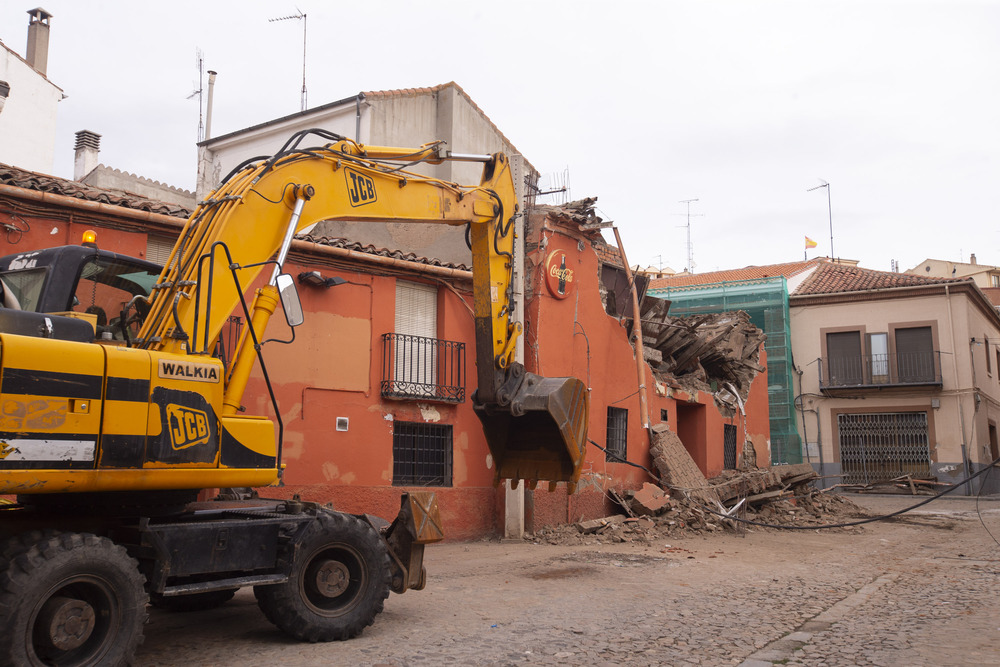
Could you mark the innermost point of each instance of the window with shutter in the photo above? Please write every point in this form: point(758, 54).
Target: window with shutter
point(415, 354)
point(158, 249)
point(844, 351)
point(915, 354)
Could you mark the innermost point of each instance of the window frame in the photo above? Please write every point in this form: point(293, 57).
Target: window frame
point(406, 471)
point(616, 435)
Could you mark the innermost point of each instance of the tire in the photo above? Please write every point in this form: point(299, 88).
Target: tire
point(192, 602)
point(346, 552)
point(50, 581)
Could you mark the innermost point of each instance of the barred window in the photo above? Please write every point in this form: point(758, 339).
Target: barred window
point(421, 454)
point(617, 439)
point(729, 433)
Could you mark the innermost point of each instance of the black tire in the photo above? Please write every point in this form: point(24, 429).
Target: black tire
point(193, 601)
point(348, 554)
point(69, 599)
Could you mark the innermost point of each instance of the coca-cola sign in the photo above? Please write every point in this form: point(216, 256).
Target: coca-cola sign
point(559, 278)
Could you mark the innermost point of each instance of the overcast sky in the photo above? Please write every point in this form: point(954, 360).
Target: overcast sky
point(743, 105)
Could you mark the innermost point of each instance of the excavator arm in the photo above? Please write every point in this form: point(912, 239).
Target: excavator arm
point(535, 427)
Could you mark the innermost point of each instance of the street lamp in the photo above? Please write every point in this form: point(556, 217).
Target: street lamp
point(829, 209)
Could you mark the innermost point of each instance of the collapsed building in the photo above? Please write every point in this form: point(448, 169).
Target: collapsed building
point(699, 379)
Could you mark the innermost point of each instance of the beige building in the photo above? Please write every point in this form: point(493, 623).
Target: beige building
point(984, 275)
point(899, 375)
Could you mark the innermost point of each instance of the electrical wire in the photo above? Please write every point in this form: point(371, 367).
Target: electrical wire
point(845, 524)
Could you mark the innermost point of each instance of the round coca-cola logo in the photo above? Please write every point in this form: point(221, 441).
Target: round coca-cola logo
point(559, 279)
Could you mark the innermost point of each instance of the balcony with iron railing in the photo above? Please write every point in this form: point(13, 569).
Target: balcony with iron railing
point(422, 368)
point(879, 371)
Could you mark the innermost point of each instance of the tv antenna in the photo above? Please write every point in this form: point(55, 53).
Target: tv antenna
point(200, 62)
point(299, 16)
point(690, 246)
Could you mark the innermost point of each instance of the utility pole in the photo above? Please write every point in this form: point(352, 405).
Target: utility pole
point(829, 209)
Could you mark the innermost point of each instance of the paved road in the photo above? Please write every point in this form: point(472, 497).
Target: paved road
point(922, 590)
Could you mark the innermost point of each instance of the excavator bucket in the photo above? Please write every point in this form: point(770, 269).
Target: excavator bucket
point(540, 431)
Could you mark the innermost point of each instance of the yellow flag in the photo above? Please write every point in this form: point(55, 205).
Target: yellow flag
point(810, 243)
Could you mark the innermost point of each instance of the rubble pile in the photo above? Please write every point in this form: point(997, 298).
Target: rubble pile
point(780, 496)
point(700, 349)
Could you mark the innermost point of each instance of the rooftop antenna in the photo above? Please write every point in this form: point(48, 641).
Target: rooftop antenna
point(690, 246)
point(299, 15)
point(200, 61)
point(558, 184)
point(829, 210)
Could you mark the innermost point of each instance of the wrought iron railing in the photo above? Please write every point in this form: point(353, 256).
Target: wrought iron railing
point(417, 367)
point(881, 370)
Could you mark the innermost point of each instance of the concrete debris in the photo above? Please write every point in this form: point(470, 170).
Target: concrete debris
point(781, 495)
point(696, 352)
point(676, 467)
point(650, 500)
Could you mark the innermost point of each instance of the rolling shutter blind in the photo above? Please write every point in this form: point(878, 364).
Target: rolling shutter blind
point(416, 309)
point(158, 249)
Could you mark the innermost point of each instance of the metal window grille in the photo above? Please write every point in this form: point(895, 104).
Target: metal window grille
point(424, 368)
point(883, 445)
point(421, 454)
point(729, 446)
point(617, 438)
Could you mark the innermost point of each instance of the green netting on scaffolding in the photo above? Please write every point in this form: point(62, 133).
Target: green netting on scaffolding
point(766, 302)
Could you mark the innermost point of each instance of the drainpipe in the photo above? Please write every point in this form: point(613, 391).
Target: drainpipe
point(640, 361)
point(958, 395)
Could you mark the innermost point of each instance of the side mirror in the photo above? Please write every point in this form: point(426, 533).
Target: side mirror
point(289, 300)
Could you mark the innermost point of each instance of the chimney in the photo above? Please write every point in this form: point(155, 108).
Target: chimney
point(972, 259)
point(88, 145)
point(211, 97)
point(37, 53)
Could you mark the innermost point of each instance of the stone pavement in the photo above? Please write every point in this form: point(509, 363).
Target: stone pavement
point(922, 590)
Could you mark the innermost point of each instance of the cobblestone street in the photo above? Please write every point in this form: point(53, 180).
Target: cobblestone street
point(918, 590)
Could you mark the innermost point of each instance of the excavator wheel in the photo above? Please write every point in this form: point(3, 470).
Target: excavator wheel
point(69, 599)
point(192, 602)
point(338, 584)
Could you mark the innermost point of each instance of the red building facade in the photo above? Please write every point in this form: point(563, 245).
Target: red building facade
point(363, 416)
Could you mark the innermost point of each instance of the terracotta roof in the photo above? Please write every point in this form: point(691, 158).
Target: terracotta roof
point(993, 294)
point(370, 249)
point(31, 180)
point(787, 270)
point(836, 278)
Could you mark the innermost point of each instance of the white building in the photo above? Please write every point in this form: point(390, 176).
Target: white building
point(405, 118)
point(28, 101)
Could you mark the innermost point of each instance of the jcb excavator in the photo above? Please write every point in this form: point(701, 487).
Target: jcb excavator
point(116, 409)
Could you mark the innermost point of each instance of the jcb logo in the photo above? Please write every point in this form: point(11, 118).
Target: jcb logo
point(360, 188)
point(188, 427)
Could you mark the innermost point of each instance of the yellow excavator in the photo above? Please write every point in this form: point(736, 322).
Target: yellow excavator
point(116, 408)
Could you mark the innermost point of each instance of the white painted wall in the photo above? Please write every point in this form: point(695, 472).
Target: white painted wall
point(218, 156)
point(409, 119)
point(28, 118)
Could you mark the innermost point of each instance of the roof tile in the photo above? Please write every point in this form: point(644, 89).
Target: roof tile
point(31, 180)
point(788, 269)
point(836, 278)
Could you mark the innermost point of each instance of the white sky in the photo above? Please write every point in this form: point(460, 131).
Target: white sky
point(743, 105)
